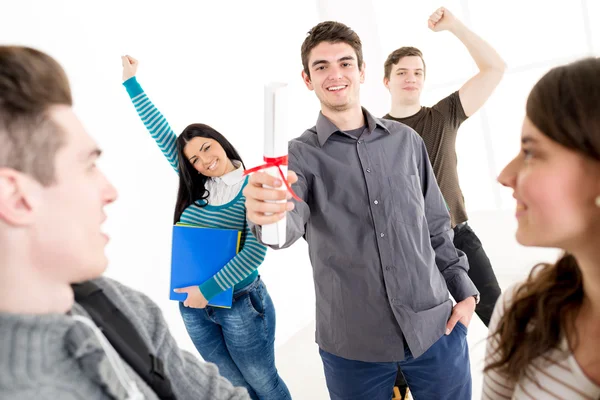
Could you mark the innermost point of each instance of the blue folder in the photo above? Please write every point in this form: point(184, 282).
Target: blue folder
point(197, 254)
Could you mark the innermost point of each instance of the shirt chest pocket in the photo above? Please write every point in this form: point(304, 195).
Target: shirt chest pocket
point(407, 199)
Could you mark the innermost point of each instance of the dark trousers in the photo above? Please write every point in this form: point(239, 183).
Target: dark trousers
point(480, 272)
point(441, 373)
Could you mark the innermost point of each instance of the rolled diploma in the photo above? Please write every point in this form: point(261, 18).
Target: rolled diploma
point(276, 145)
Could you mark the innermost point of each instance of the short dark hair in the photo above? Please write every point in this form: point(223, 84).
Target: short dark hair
point(397, 55)
point(30, 83)
point(333, 32)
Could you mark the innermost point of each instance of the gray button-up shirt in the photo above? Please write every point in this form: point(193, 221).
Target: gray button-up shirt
point(379, 240)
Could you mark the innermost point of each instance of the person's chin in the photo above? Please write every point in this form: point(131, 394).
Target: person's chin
point(342, 105)
point(525, 238)
point(97, 268)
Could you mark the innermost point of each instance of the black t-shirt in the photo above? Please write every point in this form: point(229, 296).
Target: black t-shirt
point(438, 126)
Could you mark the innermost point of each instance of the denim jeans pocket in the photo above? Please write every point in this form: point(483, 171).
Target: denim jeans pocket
point(463, 327)
point(255, 302)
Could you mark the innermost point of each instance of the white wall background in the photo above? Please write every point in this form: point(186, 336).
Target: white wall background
point(207, 61)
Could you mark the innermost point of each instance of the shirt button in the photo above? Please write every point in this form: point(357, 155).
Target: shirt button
point(388, 268)
point(360, 142)
point(376, 202)
point(382, 234)
point(368, 170)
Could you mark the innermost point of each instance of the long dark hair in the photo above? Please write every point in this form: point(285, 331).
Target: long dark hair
point(192, 185)
point(563, 105)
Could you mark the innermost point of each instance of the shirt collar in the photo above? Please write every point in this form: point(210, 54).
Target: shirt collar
point(233, 177)
point(326, 128)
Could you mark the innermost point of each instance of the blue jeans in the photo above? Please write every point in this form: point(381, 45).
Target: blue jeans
point(443, 372)
point(240, 340)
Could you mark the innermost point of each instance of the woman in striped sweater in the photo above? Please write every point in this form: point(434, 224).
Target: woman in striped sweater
point(545, 332)
point(239, 340)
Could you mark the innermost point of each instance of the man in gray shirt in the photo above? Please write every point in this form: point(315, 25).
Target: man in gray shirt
point(52, 199)
point(379, 238)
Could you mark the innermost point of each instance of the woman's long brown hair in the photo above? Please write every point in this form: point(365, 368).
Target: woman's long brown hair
point(565, 106)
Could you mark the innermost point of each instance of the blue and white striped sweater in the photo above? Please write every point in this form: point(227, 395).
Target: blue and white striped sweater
point(155, 122)
point(241, 270)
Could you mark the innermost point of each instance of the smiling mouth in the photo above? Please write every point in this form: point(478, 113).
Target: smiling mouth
point(336, 88)
point(212, 166)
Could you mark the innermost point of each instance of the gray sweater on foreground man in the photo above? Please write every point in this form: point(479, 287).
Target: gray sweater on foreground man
point(55, 357)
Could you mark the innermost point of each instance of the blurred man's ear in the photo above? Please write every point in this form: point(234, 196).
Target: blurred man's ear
point(18, 197)
point(362, 72)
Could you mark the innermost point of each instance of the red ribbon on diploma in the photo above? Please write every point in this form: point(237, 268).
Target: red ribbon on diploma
point(275, 162)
